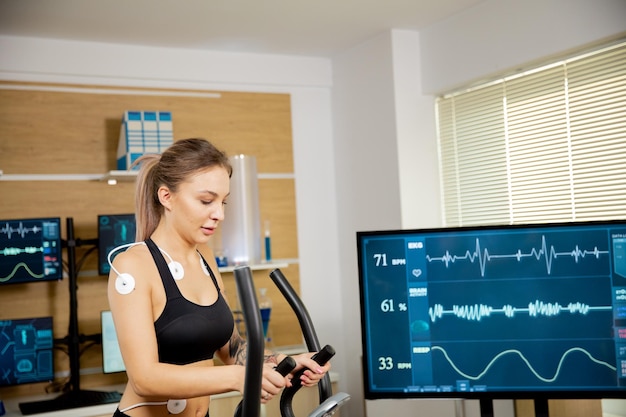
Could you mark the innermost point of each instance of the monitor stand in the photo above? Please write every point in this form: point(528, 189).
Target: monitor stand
point(541, 407)
point(75, 397)
point(486, 407)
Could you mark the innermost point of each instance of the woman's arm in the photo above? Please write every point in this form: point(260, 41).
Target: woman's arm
point(133, 314)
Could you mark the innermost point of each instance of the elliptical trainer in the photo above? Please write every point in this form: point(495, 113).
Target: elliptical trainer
point(250, 405)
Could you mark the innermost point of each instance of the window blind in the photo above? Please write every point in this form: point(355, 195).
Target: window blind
point(547, 145)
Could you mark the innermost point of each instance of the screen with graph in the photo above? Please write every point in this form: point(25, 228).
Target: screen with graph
point(30, 250)
point(494, 312)
point(113, 230)
point(26, 354)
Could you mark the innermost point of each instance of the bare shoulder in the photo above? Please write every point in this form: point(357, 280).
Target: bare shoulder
point(132, 257)
point(136, 262)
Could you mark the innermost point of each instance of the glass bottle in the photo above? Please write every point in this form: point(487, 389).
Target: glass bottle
point(265, 305)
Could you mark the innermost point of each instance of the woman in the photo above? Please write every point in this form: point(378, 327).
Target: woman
point(170, 312)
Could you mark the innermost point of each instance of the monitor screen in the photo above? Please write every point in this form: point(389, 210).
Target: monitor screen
point(30, 250)
point(494, 312)
point(26, 351)
point(111, 356)
point(113, 230)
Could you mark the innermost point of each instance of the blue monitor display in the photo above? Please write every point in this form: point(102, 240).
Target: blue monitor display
point(111, 355)
point(30, 250)
point(525, 311)
point(26, 354)
point(113, 230)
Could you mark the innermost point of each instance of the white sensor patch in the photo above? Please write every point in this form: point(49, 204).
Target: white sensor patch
point(124, 283)
point(176, 406)
point(177, 270)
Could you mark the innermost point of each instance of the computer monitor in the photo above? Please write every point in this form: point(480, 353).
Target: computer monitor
point(30, 250)
point(26, 351)
point(528, 311)
point(113, 230)
point(111, 356)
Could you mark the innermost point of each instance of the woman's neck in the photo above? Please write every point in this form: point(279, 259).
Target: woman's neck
point(171, 242)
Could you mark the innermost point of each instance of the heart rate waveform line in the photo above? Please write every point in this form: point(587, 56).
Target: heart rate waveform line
point(547, 379)
point(483, 256)
point(16, 268)
point(477, 312)
point(20, 230)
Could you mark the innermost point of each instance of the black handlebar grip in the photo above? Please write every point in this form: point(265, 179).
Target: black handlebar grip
point(285, 366)
point(324, 355)
point(321, 357)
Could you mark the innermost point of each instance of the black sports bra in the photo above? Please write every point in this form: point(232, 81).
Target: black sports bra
point(187, 332)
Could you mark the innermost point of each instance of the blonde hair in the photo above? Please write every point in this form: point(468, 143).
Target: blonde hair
point(182, 159)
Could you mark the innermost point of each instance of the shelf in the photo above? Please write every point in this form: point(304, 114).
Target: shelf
point(112, 177)
point(255, 267)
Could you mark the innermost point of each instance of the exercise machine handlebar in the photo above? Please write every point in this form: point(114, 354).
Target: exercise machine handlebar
point(250, 404)
point(306, 325)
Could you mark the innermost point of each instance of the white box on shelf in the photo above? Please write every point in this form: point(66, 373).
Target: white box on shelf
point(143, 132)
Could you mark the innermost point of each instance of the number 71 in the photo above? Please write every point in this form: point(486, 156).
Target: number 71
point(381, 259)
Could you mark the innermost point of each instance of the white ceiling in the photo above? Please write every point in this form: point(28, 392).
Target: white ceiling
point(296, 27)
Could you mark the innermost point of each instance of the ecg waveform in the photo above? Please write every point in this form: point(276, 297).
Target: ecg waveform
point(547, 379)
point(477, 312)
point(20, 230)
point(483, 256)
point(30, 250)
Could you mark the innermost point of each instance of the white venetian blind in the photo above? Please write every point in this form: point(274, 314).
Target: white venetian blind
point(548, 145)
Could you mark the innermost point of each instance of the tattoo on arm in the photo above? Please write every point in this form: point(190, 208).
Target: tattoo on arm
point(271, 357)
point(237, 349)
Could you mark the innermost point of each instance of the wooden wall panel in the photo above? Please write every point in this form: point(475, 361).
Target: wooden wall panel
point(50, 132)
point(54, 129)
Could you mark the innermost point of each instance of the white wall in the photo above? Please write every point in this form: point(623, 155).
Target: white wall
point(418, 163)
point(87, 62)
point(500, 35)
point(367, 178)
point(386, 164)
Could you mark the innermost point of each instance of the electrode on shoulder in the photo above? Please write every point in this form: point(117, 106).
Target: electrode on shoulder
point(124, 283)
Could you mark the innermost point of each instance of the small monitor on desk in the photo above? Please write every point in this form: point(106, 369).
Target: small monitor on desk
point(111, 356)
point(26, 351)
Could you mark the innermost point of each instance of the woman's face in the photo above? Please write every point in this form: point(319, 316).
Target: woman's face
point(198, 205)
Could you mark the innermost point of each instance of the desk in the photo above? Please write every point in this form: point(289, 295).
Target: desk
point(103, 410)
